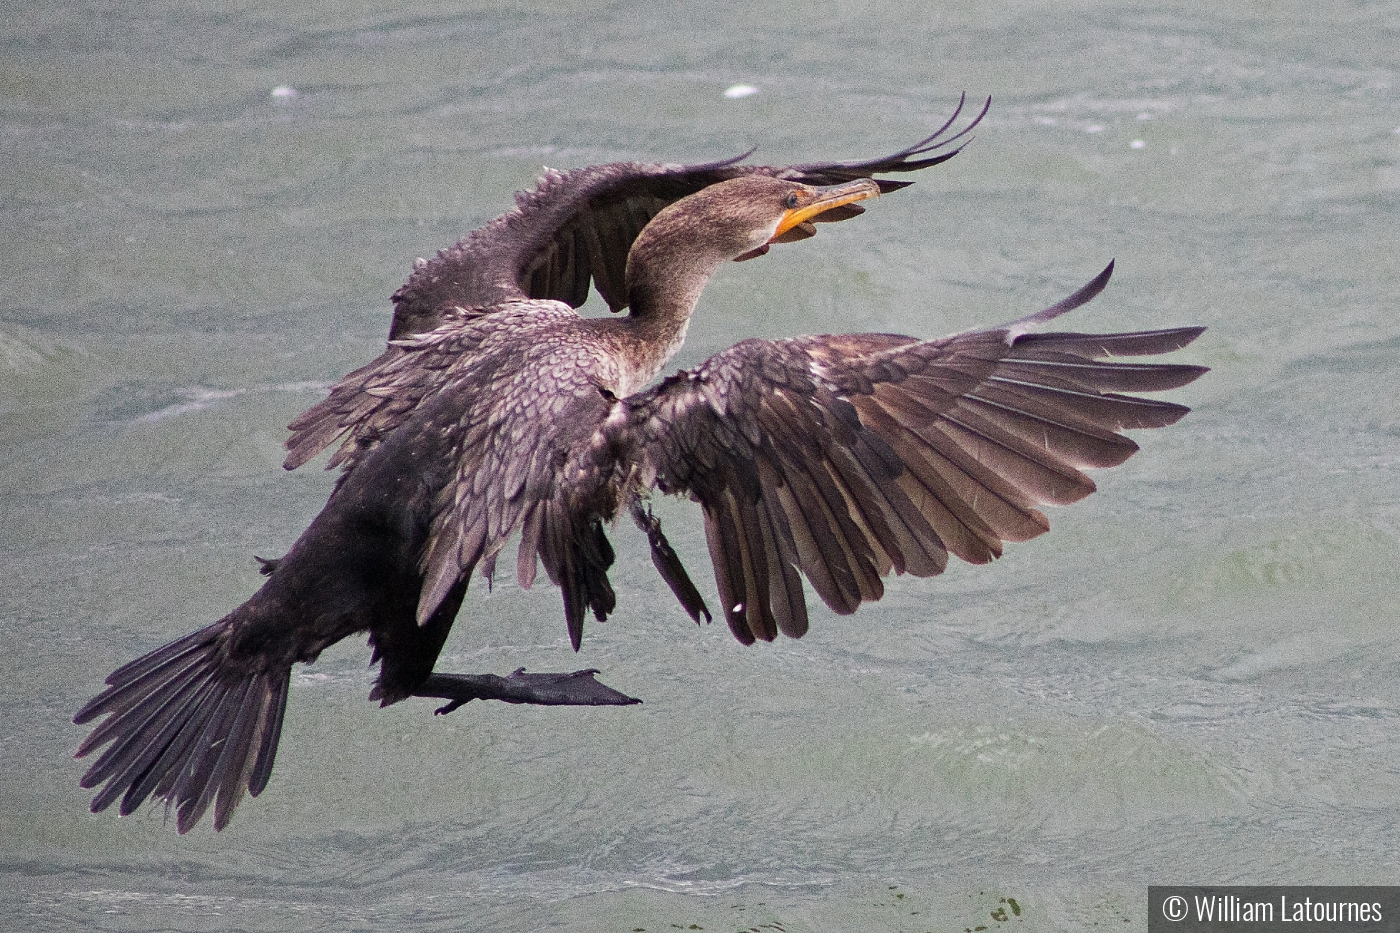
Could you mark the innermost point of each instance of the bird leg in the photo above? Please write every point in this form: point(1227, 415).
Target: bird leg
point(576, 689)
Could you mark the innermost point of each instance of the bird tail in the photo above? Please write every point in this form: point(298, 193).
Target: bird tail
point(186, 726)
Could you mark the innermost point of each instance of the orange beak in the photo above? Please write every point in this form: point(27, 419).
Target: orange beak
point(820, 200)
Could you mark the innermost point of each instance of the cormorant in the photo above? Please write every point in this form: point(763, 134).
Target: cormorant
point(497, 410)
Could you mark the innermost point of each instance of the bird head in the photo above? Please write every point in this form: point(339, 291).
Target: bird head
point(740, 218)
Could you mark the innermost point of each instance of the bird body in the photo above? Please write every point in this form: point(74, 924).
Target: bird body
point(498, 412)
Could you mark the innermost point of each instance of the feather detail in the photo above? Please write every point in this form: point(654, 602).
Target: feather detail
point(847, 457)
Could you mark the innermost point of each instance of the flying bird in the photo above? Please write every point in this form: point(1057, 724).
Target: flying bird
point(498, 412)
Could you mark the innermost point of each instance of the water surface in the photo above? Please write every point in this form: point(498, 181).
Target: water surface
point(1193, 677)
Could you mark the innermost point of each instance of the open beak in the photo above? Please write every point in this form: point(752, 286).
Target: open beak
point(820, 200)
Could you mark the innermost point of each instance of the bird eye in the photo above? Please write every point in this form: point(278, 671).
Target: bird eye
point(790, 201)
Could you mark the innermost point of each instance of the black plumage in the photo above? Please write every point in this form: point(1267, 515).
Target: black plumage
point(497, 412)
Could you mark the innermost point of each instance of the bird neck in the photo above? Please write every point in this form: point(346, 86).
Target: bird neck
point(663, 288)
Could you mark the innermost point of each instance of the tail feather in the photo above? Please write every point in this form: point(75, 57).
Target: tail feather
point(136, 750)
point(236, 762)
point(206, 770)
point(275, 706)
point(185, 725)
point(148, 707)
point(128, 684)
point(144, 775)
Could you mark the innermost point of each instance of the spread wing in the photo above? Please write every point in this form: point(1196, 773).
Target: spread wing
point(577, 226)
point(846, 457)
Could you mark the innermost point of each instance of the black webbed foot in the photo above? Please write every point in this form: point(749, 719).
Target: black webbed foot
point(573, 689)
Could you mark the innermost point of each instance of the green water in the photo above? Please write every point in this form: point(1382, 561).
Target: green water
point(1193, 677)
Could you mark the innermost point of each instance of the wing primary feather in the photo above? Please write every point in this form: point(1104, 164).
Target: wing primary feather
point(1080, 298)
point(1077, 374)
point(723, 549)
point(1089, 413)
point(1100, 346)
point(791, 610)
point(749, 523)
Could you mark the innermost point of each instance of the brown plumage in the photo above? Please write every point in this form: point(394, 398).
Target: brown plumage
point(497, 411)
